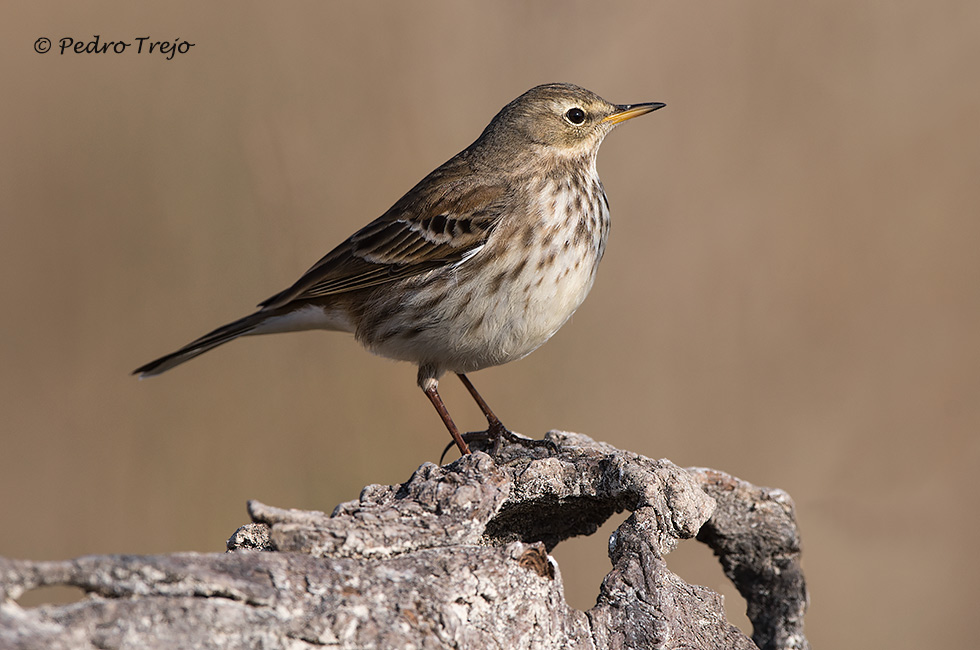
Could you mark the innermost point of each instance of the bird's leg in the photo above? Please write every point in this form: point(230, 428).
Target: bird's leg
point(431, 391)
point(496, 429)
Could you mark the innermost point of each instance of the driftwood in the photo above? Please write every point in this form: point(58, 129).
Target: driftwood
point(456, 557)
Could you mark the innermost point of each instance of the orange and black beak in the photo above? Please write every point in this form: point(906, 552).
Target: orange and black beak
point(629, 111)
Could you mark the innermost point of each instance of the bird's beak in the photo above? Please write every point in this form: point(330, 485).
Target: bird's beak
point(629, 111)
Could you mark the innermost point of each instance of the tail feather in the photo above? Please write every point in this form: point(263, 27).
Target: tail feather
point(209, 341)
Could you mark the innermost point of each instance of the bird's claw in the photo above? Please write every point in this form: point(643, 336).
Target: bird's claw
point(497, 433)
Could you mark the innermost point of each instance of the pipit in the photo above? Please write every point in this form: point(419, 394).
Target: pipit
point(477, 265)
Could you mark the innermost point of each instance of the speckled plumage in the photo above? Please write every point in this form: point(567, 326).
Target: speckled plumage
point(479, 264)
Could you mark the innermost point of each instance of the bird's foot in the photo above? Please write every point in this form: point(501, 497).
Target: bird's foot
point(494, 435)
point(503, 433)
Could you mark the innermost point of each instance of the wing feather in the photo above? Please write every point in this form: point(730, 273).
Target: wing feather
point(443, 221)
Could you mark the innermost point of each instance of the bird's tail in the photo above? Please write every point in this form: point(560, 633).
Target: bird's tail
point(209, 341)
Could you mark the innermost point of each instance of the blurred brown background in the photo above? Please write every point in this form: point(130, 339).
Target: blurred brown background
point(790, 292)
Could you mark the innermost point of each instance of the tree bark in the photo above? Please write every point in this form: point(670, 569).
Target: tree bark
point(456, 557)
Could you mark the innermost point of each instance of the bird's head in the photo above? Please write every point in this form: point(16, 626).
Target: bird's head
point(561, 119)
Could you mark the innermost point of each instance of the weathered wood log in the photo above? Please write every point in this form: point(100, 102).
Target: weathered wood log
point(456, 557)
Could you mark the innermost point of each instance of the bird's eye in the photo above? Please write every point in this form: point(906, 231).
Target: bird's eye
point(575, 116)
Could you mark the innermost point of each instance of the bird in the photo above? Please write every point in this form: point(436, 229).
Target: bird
point(477, 265)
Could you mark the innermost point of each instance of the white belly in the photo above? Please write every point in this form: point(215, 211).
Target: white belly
point(516, 303)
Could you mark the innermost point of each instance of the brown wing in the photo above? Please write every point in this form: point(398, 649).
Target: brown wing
point(444, 218)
